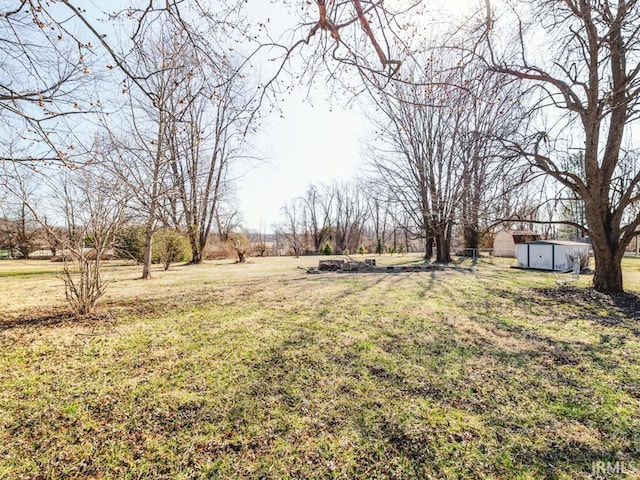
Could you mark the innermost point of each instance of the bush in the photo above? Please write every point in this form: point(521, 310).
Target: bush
point(327, 249)
point(379, 247)
point(170, 246)
point(362, 250)
point(129, 243)
point(240, 245)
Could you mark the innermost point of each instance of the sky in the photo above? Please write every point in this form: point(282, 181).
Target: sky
point(311, 144)
point(311, 140)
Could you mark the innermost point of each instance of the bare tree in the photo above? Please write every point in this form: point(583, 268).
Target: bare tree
point(19, 228)
point(228, 220)
point(293, 227)
point(317, 215)
point(381, 217)
point(419, 160)
point(91, 205)
point(94, 213)
point(19, 231)
point(208, 137)
point(589, 73)
point(52, 235)
point(145, 136)
point(348, 216)
point(494, 113)
point(240, 244)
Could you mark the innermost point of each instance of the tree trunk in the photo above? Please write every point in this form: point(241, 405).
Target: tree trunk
point(607, 248)
point(471, 238)
point(148, 239)
point(608, 274)
point(194, 241)
point(428, 248)
point(196, 257)
point(443, 246)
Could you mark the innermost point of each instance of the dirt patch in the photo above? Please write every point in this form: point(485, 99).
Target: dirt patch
point(627, 304)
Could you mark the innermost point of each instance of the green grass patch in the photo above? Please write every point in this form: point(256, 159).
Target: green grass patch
point(262, 371)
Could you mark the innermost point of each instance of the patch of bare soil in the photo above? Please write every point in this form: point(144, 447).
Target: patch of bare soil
point(627, 304)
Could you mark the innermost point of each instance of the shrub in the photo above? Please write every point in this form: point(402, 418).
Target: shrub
point(327, 249)
point(379, 247)
point(240, 245)
point(129, 243)
point(362, 250)
point(170, 246)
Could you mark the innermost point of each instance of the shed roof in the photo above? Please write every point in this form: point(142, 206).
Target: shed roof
point(560, 242)
point(522, 236)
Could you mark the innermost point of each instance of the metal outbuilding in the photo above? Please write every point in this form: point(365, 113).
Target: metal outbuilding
point(553, 255)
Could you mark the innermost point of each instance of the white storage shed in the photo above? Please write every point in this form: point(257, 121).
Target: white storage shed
point(554, 255)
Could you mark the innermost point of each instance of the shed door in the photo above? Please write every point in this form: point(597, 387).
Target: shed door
point(541, 256)
point(522, 252)
point(562, 261)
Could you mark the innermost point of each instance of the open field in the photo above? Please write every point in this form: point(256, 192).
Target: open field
point(263, 371)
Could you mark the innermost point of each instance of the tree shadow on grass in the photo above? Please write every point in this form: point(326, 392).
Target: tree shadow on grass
point(537, 369)
point(507, 444)
point(50, 319)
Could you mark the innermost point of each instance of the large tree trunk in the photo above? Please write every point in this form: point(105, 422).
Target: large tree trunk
point(608, 269)
point(471, 239)
point(196, 256)
point(428, 248)
point(607, 248)
point(443, 245)
point(470, 215)
point(608, 275)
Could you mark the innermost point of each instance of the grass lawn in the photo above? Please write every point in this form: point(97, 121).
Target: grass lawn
point(264, 371)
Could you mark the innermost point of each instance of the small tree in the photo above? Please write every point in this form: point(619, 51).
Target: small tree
point(241, 245)
point(260, 248)
point(93, 209)
point(379, 247)
point(170, 247)
point(327, 249)
point(92, 206)
point(26, 233)
point(51, 237)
